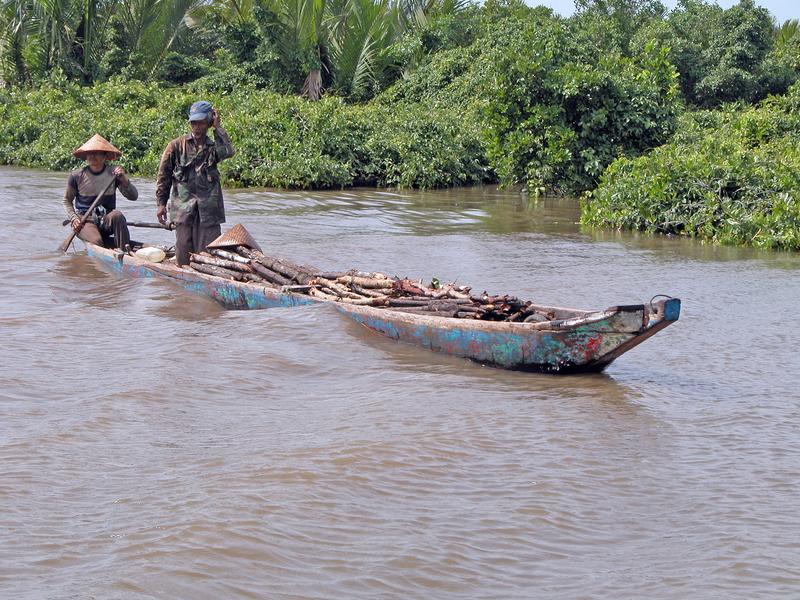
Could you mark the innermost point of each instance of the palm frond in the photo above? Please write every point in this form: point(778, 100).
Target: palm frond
point(786, 32)
point(174, 16)
point(354, 53)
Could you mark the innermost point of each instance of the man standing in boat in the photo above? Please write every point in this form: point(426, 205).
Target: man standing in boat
point(189, 179)
point(85, 184)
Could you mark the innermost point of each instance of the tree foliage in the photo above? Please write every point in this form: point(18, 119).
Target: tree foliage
point(722, 55)
point(553, 110)
point(281, 140)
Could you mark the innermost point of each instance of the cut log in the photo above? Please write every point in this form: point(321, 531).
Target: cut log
point(217, 271)
point(244, 251)
point(287, 269)
point(465, 301)
point(368, 292)
point(471, 309)
point(254, 278)
point(338, 289)
point(270, 275)
point(409, 287)
point(221, 262)
point(365, 282)
point(407, 302)
point(423, 311)
point(458, 295)
point(317, 293)
point(227, 255)
point(322, 295)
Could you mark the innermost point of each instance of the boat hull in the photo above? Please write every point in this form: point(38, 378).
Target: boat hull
point(586, 344)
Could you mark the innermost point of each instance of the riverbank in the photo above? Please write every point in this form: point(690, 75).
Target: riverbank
point(281, 141)
point(646, 113)
point(729, 176)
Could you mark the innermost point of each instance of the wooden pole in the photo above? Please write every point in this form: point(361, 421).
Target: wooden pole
point(170, 226)
point(217, 271)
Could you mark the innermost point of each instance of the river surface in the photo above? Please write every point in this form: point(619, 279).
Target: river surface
point(155, 446)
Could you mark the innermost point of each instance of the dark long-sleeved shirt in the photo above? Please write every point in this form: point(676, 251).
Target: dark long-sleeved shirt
point(83, 186)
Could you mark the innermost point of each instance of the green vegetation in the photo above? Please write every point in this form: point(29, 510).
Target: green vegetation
point(732, 176)
point(281, 141)
point(675, 121)
point(723, 55)
point(504, 92)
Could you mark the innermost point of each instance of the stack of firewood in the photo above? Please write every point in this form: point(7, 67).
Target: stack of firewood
point(357, 287)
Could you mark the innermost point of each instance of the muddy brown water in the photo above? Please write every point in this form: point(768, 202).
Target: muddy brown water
point(154, 446)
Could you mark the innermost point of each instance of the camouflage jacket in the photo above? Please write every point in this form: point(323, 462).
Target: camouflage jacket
point(188, 177)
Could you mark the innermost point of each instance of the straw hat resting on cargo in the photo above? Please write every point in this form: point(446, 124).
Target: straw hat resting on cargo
point(108, 226)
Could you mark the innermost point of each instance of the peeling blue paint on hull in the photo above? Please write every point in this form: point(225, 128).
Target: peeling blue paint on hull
point(586, 344)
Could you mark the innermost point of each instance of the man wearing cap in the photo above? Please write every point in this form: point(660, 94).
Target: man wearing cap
point(189, 179)
point(85, 184)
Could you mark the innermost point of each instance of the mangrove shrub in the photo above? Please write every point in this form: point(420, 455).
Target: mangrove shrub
point(730, 176)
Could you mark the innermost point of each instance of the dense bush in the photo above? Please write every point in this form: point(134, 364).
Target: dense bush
point(561, 112)
point(42, 127)
point(554, 111)
point(514, 95)
point(281, 140)
point(730, 176)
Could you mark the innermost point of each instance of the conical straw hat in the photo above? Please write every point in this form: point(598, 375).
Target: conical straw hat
point(97, 143)
point(236, 236)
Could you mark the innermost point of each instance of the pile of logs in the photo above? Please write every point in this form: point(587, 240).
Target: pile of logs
point(357, 287)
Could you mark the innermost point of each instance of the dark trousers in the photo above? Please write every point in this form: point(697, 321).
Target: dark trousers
point(193, 237)
point(113, 223)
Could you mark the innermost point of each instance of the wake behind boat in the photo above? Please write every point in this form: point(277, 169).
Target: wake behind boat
point(500, 331)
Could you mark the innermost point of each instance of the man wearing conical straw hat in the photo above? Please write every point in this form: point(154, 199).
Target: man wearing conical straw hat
point(85, 184)
point(188, 180)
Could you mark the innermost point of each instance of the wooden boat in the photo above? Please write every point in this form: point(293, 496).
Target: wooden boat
point(572, 341)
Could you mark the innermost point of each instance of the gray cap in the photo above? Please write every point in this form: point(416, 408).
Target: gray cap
point(200, 111)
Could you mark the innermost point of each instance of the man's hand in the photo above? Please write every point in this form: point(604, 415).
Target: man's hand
point(76, 224)
point(161, 214)
point(121, 176)
point(215, 122)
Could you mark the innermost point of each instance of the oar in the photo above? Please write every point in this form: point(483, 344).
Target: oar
point(65, 246)
point(169, 226)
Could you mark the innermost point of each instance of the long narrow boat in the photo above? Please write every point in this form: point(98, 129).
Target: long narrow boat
point(572, 341)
